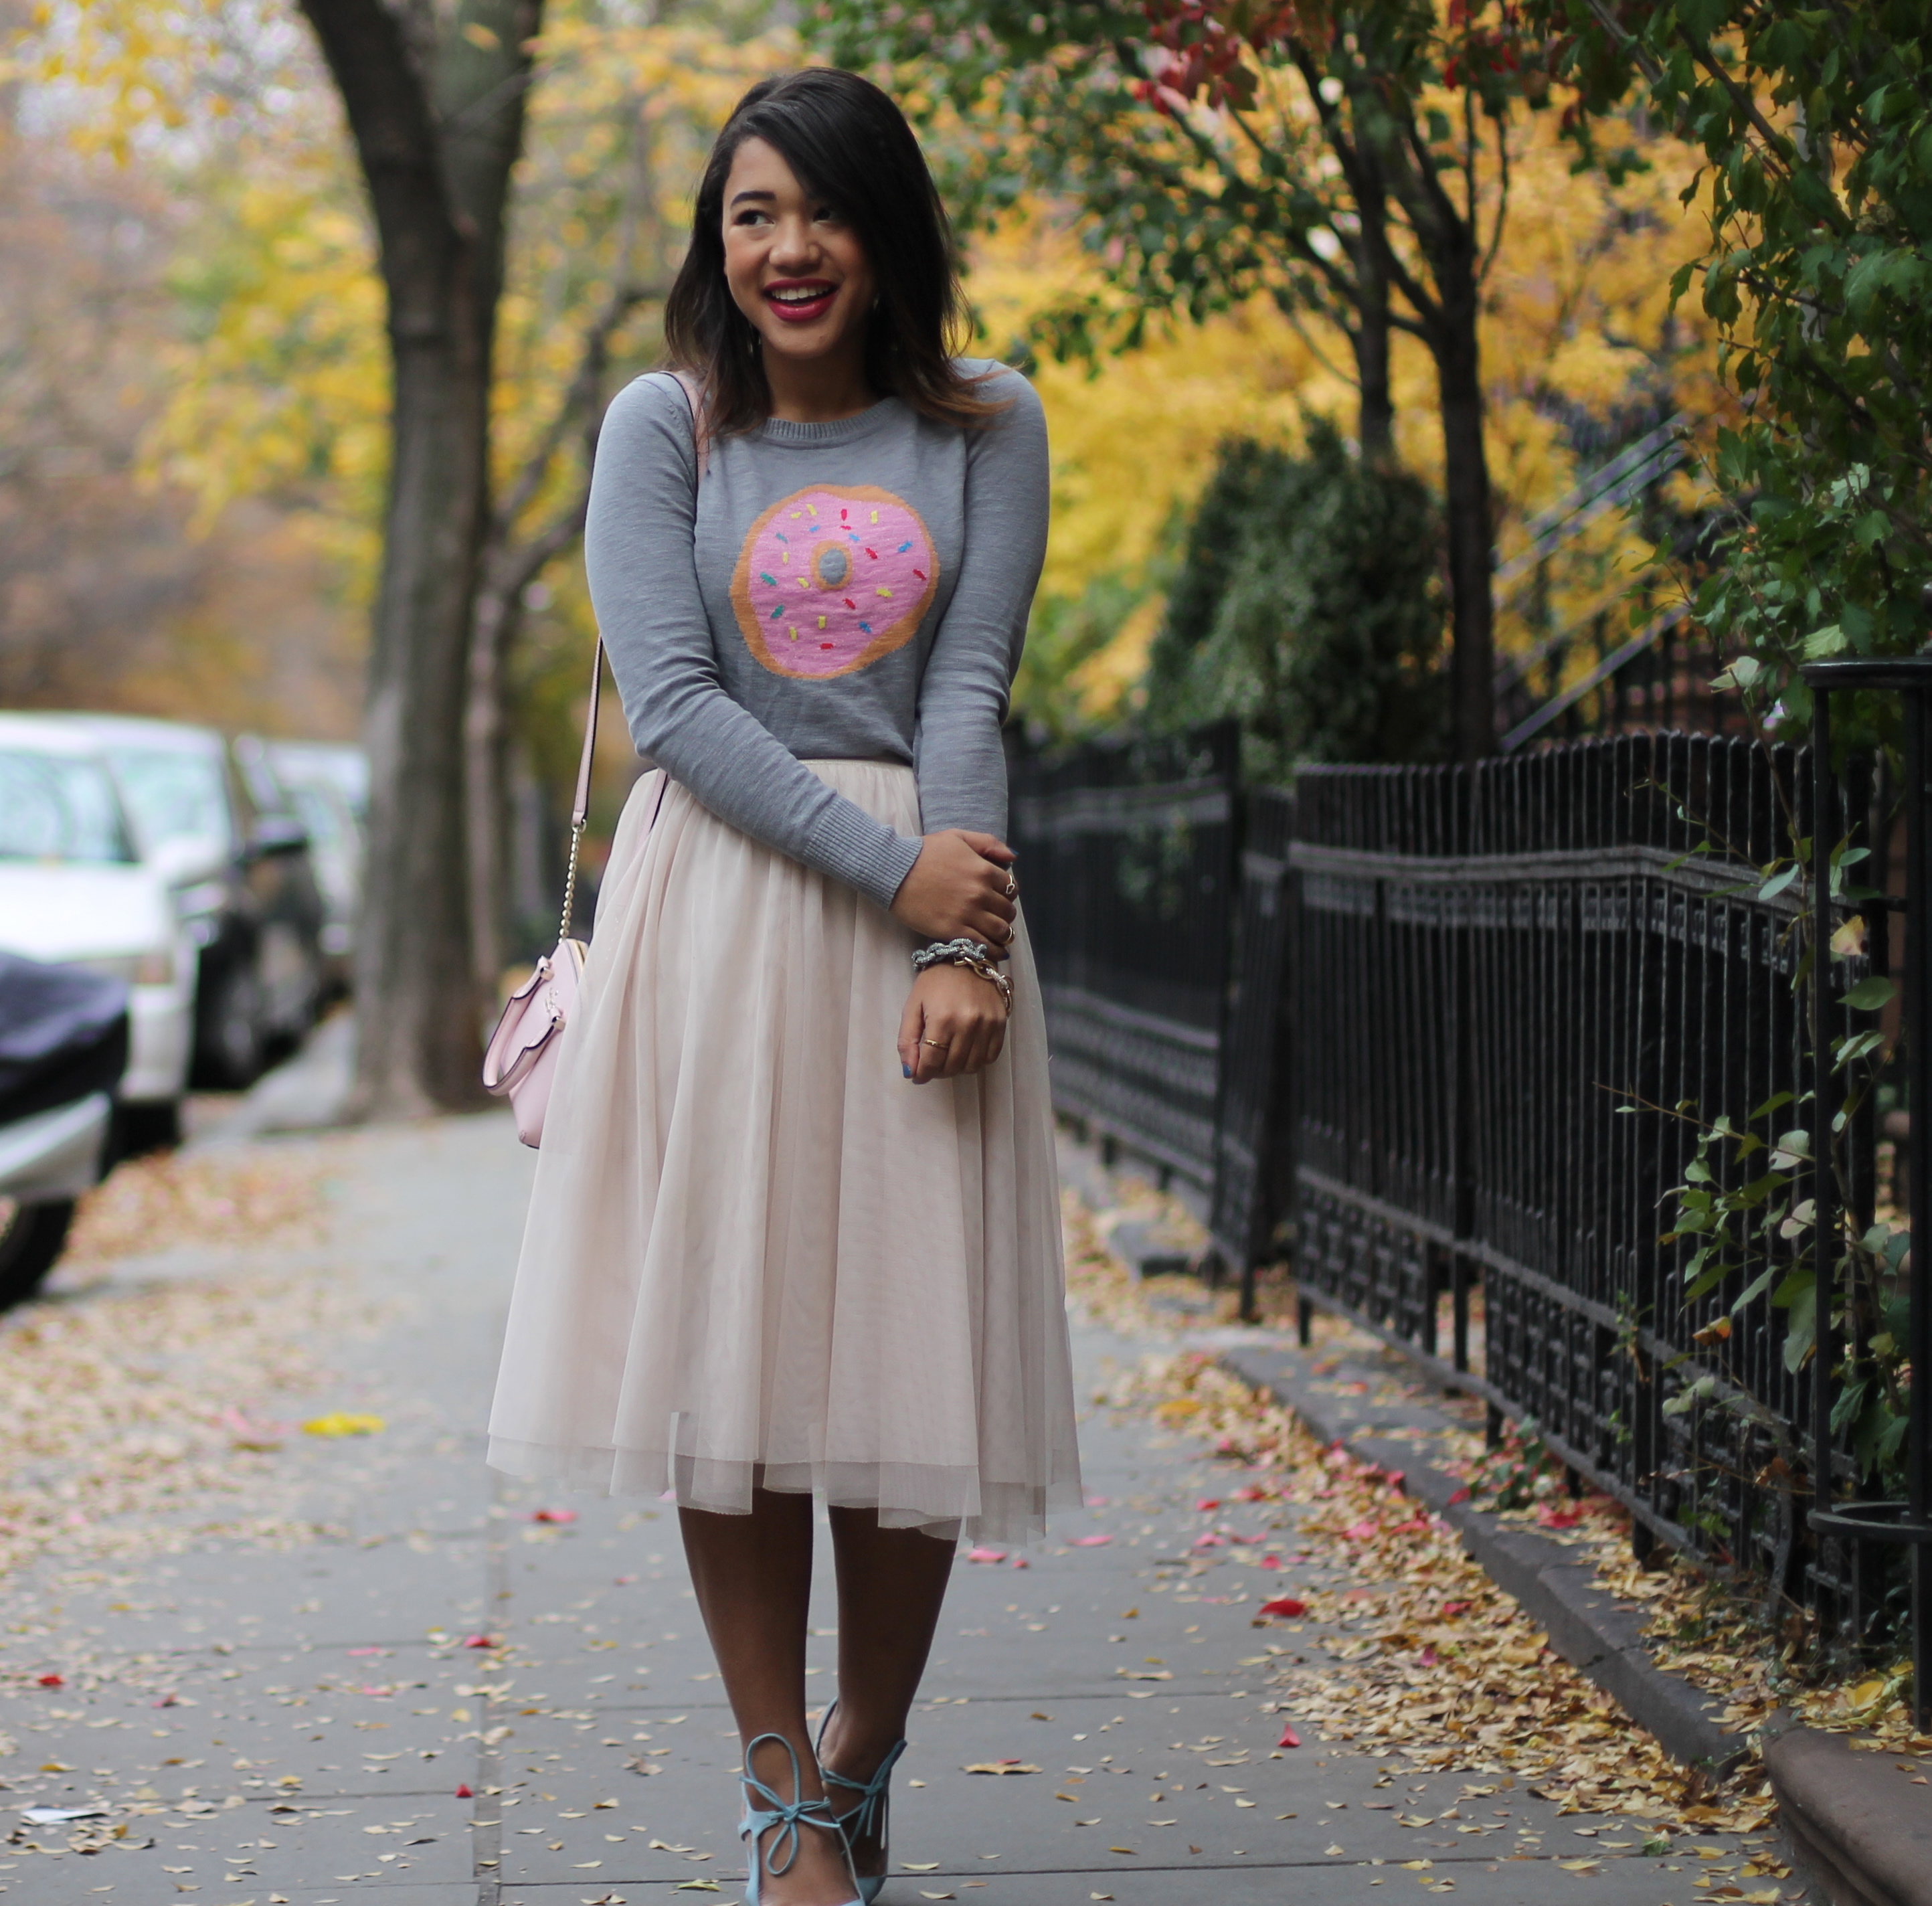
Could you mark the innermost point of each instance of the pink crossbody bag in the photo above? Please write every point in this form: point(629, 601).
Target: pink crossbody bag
point(520, 1061)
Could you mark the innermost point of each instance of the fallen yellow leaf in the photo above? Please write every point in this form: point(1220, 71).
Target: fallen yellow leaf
point(343, 1423)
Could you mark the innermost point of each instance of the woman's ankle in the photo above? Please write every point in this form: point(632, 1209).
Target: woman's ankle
point(854, 1748)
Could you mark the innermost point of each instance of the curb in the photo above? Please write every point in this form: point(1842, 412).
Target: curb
point(1588, 1627)
point(1858, 1822)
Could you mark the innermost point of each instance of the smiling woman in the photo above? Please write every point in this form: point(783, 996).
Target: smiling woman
point(795, 1225)
point(849, 279)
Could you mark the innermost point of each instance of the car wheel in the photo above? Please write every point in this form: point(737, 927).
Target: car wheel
point(234, 1038)
point(32, 1237)
point(141, 1129)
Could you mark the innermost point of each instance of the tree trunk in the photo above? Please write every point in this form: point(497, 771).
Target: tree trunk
point(485, 744)
point(1466, 470)
point(1446, 305)
point(417, 1014)
point(1375, 429)
point(437, 118)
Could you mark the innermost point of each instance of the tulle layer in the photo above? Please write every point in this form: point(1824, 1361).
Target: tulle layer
point(756, 1252)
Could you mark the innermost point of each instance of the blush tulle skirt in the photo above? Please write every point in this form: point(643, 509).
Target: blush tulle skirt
point(755, 1252)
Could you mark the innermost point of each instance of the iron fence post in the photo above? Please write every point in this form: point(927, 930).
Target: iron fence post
point(1824, 1099)
point(1918, 1054)
point(1909, 1521)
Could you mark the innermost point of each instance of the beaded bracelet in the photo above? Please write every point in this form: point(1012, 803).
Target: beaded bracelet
point(968, 954)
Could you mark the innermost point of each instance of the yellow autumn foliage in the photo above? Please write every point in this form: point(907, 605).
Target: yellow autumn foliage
point(281, 384)
point(1577, 326)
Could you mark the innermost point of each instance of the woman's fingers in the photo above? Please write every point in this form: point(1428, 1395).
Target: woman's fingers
point(958, 887)
point(954, 1024)
point(965, 1056)
point(989, 848)
point(912, 1023)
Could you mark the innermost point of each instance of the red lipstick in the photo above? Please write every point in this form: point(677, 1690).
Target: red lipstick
point(803, 299)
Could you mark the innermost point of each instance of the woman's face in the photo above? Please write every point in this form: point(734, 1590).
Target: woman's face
point(794, 267)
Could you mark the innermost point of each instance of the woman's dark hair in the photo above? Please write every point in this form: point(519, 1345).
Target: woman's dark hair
point(848, 142)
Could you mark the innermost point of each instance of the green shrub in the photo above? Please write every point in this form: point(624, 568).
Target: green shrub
point(1307, 606)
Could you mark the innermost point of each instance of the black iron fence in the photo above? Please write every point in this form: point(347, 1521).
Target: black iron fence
point(1127, 856)
point(1476, 1024)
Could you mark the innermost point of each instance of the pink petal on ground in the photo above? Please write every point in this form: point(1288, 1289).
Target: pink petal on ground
point(1286, 1606)
point(1208, 1502)
point(1289, 1738)
point(1089, 1541)
point(478, 1641)
point(986, 1555)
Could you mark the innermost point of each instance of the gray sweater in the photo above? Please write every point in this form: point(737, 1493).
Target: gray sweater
point(855, 590)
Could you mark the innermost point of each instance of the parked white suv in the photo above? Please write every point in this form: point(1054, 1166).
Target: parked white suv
point(72, 889)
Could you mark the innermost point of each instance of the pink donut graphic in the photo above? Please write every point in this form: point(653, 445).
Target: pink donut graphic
point(829, 580)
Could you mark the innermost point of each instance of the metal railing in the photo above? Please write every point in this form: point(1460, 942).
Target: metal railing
point(1127, 868)
point(1477, 1022)
point(1657, 679)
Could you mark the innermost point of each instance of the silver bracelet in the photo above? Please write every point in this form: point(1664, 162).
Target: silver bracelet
point(968, 954)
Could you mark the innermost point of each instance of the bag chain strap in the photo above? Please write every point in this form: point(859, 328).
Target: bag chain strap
point(579, 811)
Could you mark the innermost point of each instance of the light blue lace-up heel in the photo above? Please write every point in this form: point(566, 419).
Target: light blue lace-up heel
point(788, 1817)
point(870, 1815)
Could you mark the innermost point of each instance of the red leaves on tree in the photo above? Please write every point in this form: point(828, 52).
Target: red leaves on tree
point(1200, 47)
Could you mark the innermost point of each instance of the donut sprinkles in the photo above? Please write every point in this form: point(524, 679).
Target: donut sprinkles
point(829, 580)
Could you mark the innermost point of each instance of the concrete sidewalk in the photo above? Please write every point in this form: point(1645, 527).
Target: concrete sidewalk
point(292, 1721)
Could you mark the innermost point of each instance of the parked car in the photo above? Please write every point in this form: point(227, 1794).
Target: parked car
point(339, 764)
point(74, 889)
point(63, 1045)
point(328, 785)
point(212, 818)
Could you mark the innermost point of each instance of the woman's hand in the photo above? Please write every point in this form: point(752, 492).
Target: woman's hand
point(954, 1022)
point(957, 889)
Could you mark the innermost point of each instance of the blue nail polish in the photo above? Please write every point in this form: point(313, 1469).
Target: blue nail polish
point(905, 1069)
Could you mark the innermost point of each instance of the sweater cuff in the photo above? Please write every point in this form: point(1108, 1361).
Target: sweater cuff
point(864, 853)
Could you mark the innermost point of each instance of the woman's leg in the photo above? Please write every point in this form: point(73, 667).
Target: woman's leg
point(753, 1576)
point(891, 1583)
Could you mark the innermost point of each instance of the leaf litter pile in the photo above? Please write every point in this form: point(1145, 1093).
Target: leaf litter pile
point(1699, 1627)
point(242, 1194)
point(1427, 1658)
point(132, 1419)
